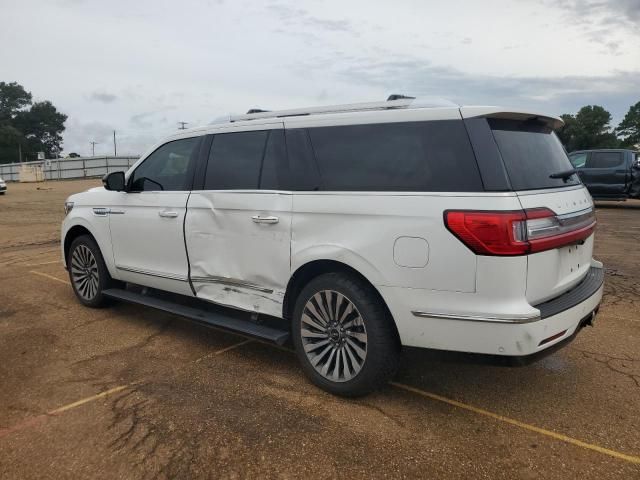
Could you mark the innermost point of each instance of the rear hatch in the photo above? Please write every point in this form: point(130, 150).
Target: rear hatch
point(559, 212)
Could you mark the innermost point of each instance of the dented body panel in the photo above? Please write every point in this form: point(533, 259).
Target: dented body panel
point(234, 259)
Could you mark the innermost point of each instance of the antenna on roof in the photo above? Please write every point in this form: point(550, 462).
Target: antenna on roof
point(397, 96)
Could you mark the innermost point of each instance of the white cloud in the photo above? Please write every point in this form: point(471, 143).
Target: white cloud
point(141, 67)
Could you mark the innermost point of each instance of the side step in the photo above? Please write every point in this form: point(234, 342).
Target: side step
point(219, 320)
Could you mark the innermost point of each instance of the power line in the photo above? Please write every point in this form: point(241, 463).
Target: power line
point(182, 125)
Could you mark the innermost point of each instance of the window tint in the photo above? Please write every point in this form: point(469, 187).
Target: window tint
point(605, 159)
point(273, 176)
point(301, 170)
point(578, 160)
point(531, 153)
point(235, 160)
point(168, 168)
point(411, 156)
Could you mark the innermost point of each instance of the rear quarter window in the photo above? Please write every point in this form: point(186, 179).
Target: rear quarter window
point(605, 159)
point(531, 152)
point(407, 156)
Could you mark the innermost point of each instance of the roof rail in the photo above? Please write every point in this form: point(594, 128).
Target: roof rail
point(393, 102)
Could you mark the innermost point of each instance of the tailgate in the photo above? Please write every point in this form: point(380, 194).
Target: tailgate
point(552, 272)
point(558, 208)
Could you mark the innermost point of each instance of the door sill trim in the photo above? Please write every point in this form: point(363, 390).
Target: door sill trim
point(151, 273)
point(231, 281)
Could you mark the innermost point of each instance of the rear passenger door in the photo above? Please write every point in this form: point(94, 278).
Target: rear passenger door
point(238, 223)
point(606, 173)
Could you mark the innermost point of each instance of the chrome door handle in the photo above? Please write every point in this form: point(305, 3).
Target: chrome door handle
point(168, 214)
point(259, 219)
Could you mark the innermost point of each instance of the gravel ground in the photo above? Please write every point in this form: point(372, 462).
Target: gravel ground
point(183, 401)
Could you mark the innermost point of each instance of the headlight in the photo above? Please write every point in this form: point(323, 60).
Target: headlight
point(68, 206)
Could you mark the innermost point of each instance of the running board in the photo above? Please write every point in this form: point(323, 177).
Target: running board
point(199, 315)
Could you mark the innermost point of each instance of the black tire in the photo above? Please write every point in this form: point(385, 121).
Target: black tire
point(88, 296)
point(381, 344)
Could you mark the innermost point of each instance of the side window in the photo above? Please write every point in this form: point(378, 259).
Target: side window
point(273, 176)
point(578, 160)
point(235, 160)
point(302, 172)
point(604, 159)
point(167, 168)
point(411, 156)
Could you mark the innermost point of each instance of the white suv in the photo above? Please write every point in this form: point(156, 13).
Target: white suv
point(355, 230)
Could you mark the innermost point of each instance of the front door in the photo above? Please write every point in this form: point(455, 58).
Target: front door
point(147, 221)
point(238, 227)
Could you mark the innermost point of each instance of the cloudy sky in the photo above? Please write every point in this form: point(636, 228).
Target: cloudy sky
point(141, 66)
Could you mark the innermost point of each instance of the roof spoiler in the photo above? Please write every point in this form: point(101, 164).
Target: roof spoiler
point(510, 114)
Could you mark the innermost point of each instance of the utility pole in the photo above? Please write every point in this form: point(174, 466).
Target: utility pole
point(20, 152)
point(115, 151)
point(182, 125)
point(93, 148)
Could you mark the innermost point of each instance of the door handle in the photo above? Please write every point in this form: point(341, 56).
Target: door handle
point(164, 214)
point(259, 219)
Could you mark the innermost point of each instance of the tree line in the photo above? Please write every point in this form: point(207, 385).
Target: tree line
point(591, 128)
point(28, 127)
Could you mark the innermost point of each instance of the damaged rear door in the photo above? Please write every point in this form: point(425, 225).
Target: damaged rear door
point(238, 226)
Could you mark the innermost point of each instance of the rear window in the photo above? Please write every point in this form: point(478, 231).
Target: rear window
point(408, 156)
point(531, 153)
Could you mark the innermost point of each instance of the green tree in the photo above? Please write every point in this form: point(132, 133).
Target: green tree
point(42, 126)
point(629, 128)
point(13, 98)
point(566, 132)
point(27, 127)
point(589, 128)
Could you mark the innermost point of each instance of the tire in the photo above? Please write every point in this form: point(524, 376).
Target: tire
point(88, 274)
point(356, 350)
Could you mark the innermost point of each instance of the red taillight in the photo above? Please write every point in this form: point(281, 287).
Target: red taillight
point(518, 232)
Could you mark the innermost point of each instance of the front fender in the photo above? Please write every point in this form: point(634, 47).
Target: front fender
point(98, 227)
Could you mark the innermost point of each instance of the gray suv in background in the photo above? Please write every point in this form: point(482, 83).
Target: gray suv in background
point(609, 174)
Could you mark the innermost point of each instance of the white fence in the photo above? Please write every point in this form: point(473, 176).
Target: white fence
point(64, 168)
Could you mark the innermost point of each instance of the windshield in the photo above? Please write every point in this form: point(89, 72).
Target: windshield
point(531, 153)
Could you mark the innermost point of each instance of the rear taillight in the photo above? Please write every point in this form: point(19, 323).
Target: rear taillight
point(518, 232)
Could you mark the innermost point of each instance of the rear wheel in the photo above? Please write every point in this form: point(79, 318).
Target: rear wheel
point(87, 272)
point(344, 338)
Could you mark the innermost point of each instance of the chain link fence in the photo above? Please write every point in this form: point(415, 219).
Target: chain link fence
point(67, 168)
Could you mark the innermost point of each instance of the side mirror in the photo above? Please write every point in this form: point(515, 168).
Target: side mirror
point(114, 181)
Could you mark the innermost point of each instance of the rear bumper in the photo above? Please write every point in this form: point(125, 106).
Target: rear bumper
point(558, 320)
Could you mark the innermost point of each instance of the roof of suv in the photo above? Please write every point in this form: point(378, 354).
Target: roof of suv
point(394, 110)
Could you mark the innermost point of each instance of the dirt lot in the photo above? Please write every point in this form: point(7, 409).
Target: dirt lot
point(128, 392)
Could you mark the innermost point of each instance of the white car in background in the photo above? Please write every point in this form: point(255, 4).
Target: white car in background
point(3, 186)
point(354, 230)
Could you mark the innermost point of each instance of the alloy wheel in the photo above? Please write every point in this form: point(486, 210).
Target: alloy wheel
point(334, 336)
point(84, 272)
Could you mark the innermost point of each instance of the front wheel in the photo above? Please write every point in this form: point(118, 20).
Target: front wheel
point(343, 335)
point(87, 272)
